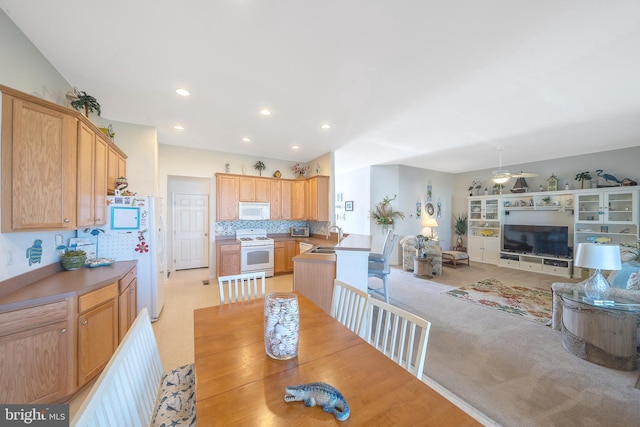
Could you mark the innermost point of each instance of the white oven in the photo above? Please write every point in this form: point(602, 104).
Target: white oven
point(257, 258)
point(256, 251)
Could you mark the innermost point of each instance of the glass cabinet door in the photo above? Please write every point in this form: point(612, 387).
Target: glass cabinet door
point(619, 207)
point(589, 207)
point(475, 209)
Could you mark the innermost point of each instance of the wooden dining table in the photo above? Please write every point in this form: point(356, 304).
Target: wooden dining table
point(237, 384)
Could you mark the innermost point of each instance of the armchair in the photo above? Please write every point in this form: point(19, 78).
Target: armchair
point(410, 251)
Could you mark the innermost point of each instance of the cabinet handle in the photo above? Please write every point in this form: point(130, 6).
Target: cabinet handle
point(63, 331)
point(96, 220)
point(85, 322)
point(65, 220)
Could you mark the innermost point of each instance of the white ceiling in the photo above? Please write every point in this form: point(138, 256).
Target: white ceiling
point(433, 84)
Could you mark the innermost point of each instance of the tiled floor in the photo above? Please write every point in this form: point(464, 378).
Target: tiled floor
point(174, 329)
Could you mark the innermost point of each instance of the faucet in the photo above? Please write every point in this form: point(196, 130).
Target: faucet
point(339, 232)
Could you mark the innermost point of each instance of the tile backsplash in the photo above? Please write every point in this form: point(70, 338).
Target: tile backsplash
point(228, 228)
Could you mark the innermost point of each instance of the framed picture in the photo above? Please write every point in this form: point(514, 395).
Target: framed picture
point(348, 206)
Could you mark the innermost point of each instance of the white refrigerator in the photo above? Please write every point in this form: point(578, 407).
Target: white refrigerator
point(135, 230)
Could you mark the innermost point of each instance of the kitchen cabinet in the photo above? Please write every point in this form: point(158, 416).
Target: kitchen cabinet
point(227, 259)
point(127, 302)
point(227, 197)
point(275, 199)
point(116, 167)
point(97, 331)
point(92, 176)
point(254, 189)
point(317, 198)
point(36, 353)
point(39, 163)
point(287, 200)
point(283, 253)
point(298, 200)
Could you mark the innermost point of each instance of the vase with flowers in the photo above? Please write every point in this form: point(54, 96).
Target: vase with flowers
point(299, 170)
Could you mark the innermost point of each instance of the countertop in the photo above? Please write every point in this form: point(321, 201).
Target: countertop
point(64, 284)
point(353, 242)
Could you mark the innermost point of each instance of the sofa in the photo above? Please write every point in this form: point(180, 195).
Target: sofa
point(410, 251)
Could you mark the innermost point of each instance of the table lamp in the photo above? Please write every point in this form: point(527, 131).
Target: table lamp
point(431, 222)
point(598, 257)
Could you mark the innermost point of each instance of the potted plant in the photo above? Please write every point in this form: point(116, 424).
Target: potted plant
point(299, 170)
point(384, 213)
point(86, 102)
point(582, 177)
point(73, 260)
point(259, 166)
point(460, 228)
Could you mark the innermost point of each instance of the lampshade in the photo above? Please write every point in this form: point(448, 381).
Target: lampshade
point(501, 178)
point(593, 255)
point(598, 257)
point(431, 222)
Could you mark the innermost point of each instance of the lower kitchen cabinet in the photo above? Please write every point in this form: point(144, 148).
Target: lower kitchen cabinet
point(127, 302)
point(283, 253)
point(36, 353)
point(227, 259)
point(97, 331)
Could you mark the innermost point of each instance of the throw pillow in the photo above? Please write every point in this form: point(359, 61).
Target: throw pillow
point(622, 276)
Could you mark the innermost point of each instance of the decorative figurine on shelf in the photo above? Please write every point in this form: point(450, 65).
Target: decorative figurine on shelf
point(552, 183)
point(609, 178)
point(582, 177)
point(259, 166)
point(321, 394)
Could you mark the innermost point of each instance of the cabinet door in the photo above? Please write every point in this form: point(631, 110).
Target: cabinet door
point(97, 339)
point(36, 354)
point(291, 249)
point(227, 197)
point(318, 198)
point(491, 253)
point(122, 167)
point(590, 208)
point(620, 207)
point(92, 177)
point(279, 260)
point(228, 260)
point(275, 199)
point(298, 200)
point(287, 200)
point(38, 167)
point(475, 248)
point(247, 189)
point(112, 170)
point(263, 190)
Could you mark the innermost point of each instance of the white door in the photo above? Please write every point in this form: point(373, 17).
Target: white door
point(191, 225)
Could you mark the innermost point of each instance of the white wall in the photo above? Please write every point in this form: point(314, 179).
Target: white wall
point(354, 186)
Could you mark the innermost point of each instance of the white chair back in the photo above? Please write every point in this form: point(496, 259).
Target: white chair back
point(398, 334)
point(241, 287)
point(349, 305)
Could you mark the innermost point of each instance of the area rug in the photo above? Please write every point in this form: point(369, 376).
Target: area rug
point(527, 303)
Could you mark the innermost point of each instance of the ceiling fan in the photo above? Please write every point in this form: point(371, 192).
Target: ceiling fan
point(501, 176)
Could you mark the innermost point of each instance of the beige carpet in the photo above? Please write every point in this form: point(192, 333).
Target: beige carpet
point(512, 370)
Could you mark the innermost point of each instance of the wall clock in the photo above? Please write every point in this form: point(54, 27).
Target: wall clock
point(430, 209)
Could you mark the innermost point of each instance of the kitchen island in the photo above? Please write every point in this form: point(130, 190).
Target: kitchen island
point(314, 273)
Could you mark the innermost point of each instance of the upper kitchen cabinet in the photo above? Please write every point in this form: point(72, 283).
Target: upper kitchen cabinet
point(318, 198)
point(38, 164)
point(298, 200)
point(92, 176)
point(275, 199)
point(227, 197)
point(254, 189)
point(116, 167)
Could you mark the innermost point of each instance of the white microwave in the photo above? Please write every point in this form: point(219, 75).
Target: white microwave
point(254, 211)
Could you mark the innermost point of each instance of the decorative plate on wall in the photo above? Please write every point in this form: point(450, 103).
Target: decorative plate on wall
point(430, 209)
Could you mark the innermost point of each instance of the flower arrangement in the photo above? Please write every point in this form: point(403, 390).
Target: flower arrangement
point(384, 213)
point(299, 169)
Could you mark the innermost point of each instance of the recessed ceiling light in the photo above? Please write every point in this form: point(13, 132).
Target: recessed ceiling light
point(295, 147)
point(325, 126)
point(182, 92)
point(245, 139)
point(179, 127)
point(265, 112)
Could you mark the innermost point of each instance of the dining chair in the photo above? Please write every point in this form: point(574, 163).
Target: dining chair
point(378, 257)
point(398, 334)
point(348, 305)
point(241, 287)
point(381, 270)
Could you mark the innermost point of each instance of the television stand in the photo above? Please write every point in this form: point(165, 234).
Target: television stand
point(537, 263)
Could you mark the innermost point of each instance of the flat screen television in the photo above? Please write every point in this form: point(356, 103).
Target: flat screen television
point(536, 239)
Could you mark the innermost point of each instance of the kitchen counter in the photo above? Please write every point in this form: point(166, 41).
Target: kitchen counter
point(61, 285)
